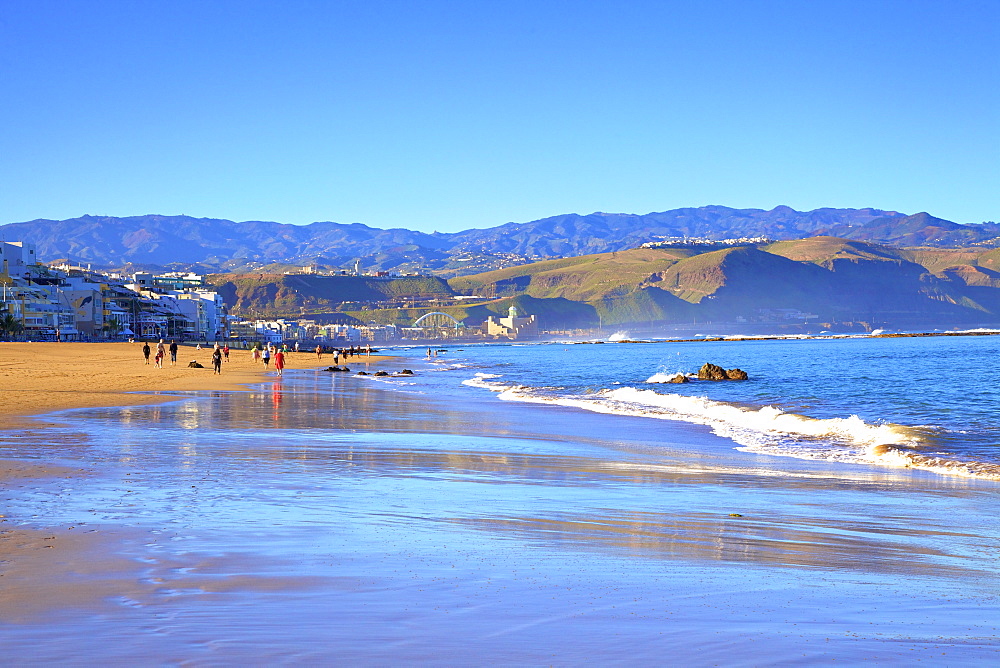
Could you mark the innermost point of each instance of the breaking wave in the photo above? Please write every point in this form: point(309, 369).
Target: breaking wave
point(765, 430)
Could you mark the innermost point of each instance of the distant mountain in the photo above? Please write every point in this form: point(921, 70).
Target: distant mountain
point(223, 245)
point(920, 229)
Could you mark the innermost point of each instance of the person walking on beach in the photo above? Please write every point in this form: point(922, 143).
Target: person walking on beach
point(266, 357)
point(255, 353)
point(225, 352)
point(173, 353)
point(145, 350)
point(319, 352)
point(161, 352)
point(279, 361)
point(217, 359)
point(296, 346)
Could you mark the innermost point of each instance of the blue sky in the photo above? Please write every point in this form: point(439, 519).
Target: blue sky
point(450, 115)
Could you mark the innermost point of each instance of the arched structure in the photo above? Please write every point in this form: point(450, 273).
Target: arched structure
point(437, 320)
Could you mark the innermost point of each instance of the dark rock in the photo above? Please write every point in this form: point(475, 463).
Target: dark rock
point(679, 378)
point(195, 365)
point(712, 372)
point(405, 372)
point(381, 373)
point(363, 373)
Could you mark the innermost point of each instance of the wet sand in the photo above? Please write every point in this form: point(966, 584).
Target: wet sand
point(329, 518)
point(46, 569)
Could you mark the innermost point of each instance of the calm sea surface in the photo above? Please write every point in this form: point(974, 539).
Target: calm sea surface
point(530, 504)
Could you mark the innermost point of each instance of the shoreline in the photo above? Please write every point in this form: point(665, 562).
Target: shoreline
point(37, 378)
point(793, 337)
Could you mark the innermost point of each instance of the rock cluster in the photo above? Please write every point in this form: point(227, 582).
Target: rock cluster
point(714, 372)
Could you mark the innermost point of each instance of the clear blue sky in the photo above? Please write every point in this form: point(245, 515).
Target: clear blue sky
point(449, 115)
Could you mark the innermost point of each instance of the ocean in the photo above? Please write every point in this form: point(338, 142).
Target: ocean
point(542, 503)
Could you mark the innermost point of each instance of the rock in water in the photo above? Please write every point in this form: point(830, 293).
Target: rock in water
point(711, 371)
point(679, 378)
point(715, 372)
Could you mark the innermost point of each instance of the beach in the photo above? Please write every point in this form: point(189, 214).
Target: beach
point(435, 518)
point(40, 378)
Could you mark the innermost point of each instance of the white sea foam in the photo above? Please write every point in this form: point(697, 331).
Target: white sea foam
point(766, 430)
point(665, 377)
point(483, 380)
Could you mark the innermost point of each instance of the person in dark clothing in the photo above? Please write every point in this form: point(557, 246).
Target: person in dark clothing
point(145, 351)
point(173, 353)
point(217, 360)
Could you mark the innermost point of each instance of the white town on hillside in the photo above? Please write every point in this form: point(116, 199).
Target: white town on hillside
point(68, 303)
point(62, 302)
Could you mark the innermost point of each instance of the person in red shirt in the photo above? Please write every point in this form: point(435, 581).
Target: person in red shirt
point(279, 361)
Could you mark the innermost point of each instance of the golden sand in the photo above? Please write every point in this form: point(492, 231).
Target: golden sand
point(38, 378)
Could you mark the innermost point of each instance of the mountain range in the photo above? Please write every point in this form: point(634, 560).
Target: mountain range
point(207, 244)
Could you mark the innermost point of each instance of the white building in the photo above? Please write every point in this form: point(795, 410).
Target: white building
point(16, 257)
point(513, 326)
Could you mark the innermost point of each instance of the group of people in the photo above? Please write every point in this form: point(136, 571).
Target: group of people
point(263, 354)
point(161, 352)
point(270, 351)
point(219, 354)
point(343, 353)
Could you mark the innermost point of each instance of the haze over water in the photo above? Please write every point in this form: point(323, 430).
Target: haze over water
point(542, 504)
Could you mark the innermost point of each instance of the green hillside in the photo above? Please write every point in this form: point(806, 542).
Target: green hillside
point(816, 280)
point(295, 294)
point(583, 278)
